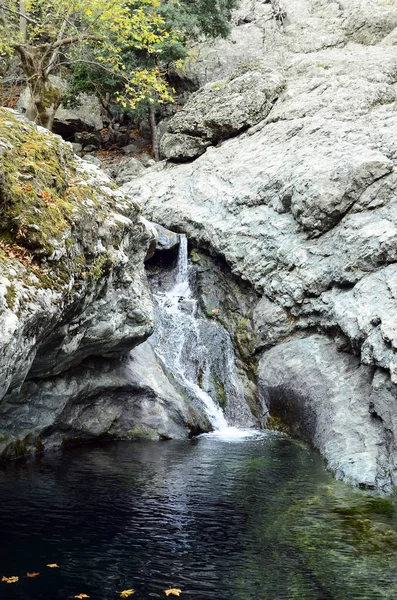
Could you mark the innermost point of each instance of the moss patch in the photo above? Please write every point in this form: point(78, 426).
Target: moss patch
point(141, 433)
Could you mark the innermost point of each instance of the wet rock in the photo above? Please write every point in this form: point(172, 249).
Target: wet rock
point(129, 398)
point(323, 395)
point(302, 205)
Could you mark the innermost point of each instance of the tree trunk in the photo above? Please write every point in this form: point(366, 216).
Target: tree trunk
point(45, 97)
point(22, 19)
point(43, 102)
point(154, 132)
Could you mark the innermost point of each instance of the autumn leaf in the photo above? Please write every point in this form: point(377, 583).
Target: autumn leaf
point(81, 596)
point(173, 592)
point(32, 574)
point(126, 593)
point(53, 566)
point(13, 579)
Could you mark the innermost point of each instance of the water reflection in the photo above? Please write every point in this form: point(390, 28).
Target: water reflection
point(254, 519)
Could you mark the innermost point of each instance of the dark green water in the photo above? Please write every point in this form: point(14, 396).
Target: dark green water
point(258, 519)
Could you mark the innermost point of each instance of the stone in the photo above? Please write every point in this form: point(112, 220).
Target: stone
point(94, 160)
point(166, 239)
point(90, 148)
point(130, 149)
point(87, 138)
point(129, 398)
point(219, 111)
point(74, 300)
point(180, 147)
point(146, 159)
point(128, 169)
point(77, 148)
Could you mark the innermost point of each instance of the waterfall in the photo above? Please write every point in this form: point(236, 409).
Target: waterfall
point(179, 342)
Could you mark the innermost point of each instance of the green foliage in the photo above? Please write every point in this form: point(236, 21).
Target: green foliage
point(53, 35)
point(182, 22)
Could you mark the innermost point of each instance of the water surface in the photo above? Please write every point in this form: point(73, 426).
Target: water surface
point(225, 519)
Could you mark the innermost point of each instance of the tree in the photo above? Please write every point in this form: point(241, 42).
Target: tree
point(51, 35)
point(183, 22)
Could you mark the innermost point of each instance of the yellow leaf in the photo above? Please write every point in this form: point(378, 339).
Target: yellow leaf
point(13, 579)
point(32, 574)
point(81, 596)
point(126, 593)
point(53, 566)
point(173, 592)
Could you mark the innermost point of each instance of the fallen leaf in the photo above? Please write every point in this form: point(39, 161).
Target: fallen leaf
point(126, 593)
point(13, 579)
point(32, 574)
point(173, 592)
point(81, 596)
point(53, 566)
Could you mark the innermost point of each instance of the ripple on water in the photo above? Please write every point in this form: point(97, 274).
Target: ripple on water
point(254, 518)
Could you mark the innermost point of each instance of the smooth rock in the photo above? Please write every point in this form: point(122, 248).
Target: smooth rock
point(323, 394)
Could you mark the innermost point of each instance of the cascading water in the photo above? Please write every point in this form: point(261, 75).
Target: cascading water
point(187, 344)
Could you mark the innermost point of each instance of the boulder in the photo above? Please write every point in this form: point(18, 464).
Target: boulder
point(219, 111)
point(180, 147)
point(128, 169)
point(88, 139)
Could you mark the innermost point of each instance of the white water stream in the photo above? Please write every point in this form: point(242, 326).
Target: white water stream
point(178, 342)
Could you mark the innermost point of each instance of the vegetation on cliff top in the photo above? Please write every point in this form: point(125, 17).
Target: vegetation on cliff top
point(38, 187)
point(49, 211)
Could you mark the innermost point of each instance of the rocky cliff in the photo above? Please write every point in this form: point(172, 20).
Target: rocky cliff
point(299, 195)
point(74, 300)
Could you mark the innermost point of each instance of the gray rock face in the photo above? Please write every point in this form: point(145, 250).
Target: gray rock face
point(303, 205)
point(128, 398)
point(319, 393)
point(74, 299)
point(219, 111)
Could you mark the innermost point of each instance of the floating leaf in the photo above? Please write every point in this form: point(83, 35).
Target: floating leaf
point(173, 592)
point(13, 579)
point(32, 574)
point(81, 596)
point(126, 593)
point(53, 566)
